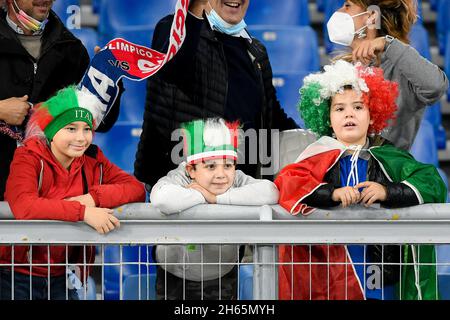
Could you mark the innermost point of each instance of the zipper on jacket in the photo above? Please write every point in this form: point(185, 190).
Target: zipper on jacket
point(35, 66)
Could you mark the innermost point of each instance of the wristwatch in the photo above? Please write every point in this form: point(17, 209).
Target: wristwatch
point(388, 39)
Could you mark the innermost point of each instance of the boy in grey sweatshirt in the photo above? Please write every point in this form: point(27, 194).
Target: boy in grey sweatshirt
point(208, 176)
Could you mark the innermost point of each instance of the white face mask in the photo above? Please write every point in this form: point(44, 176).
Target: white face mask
point(341, 28)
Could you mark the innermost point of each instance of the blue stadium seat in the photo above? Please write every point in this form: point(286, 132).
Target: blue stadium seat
point(96, 5)
point(147, 289)
point(141, 35)
point(447, 60)
point(419, 12)
point(120, 144)
point(424, 147)
point(434, 4)
point(445, 179)
point(330, 7)
point(125, 15)
point(271, 12)
point(434, 116)
point(420, 41)
point(130, 259)
point(89, 38)
point(246, 282)
point(133, 101)
point(320, 5)
point(443, 24)
point(443, 270)
point(287, 86)
point(290, 49)
point(62, 8)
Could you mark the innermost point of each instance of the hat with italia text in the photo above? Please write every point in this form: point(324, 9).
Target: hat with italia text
point(67, 106)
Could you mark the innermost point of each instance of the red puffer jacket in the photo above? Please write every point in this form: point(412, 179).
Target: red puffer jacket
point(108, 185)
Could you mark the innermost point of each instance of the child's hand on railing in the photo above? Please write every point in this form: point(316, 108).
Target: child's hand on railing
point(372, 192)
point(101, 219)
point(346, 195)
point(85, 199)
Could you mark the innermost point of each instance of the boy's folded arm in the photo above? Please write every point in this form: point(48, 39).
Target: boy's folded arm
point(172, 198)
point(117, 188)
point(256, 192)
point(399, 195)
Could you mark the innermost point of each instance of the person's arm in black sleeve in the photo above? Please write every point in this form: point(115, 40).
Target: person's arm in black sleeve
point(399, 195)
point(110, 119)
point(321, 197)
point(182, 63)
point(83, 64)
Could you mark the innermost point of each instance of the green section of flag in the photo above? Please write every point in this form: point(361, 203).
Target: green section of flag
point(401, 166)
point(418, 273)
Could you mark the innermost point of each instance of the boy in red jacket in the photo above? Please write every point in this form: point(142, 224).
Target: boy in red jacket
point(59, 175)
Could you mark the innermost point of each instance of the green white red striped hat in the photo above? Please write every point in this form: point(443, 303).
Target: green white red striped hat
point(68, 105)
point(208, 139)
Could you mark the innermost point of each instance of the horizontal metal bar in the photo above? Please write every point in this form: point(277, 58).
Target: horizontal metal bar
point(146, 211)
point(228, 232)
point(211, 224)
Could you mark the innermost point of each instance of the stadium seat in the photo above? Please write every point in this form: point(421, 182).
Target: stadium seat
point(96, 5)
point(89, 38)
point(287, 86)
point(246, 282)
point(290, 49)
point(133, 101)
point(147, 289)
point(141, 35)
point(129, 259)
point(434, 116)
point(330, 7)
point(424, 147)
point(131, 15)
point(63, 10)
point(443, 25)
point(120, 144)
point(420, 41)
point(445, 179)
point(447, 60)
point(434, 4)
point(271, 12)
point(320, 5)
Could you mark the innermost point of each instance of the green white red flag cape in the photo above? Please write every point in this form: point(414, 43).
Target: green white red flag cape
point(300, 179)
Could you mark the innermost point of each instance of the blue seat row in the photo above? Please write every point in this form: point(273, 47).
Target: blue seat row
point(120, 143)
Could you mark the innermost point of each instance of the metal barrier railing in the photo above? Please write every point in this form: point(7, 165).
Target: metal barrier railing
point(262, 228)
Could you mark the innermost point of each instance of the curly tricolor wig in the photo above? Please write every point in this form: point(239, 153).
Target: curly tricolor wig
point(378, 95)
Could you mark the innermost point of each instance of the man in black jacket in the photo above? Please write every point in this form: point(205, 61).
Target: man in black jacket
point(36, 60)
point(220, 71)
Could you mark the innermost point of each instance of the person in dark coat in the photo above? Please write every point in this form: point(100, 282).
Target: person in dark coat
point(220, 71)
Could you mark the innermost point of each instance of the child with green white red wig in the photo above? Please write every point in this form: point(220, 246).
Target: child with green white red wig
point(209, 175)
point(353, 104)
point(58, 174)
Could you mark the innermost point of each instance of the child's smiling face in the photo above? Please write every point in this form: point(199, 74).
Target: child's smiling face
point(349, 117)
point(216, 176)
point(71, 142)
